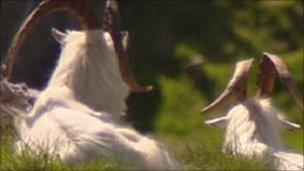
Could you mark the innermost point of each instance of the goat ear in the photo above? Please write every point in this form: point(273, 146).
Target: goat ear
point(222, 122)
point(58, 35)
point(290, 125)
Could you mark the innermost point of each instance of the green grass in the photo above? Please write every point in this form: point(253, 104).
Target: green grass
point(27, 161)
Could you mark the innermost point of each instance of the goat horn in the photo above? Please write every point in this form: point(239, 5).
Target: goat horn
point(81, 9)
point(272, 66)
point(112, 25)
point(236, 86)
point(266, 78)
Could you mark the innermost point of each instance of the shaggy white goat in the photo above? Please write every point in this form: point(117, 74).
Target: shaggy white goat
point(75, 117)
point(253, 130)
point(74, 132)
point(88, 72)
point(253, 126)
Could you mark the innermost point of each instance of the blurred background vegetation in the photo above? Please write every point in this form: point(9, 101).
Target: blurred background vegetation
point(164, 37)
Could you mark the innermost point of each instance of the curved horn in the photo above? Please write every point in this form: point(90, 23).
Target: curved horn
point(272, 66)
point(81, 9)
point(112, 25)
point(236, 86)
point(266, 78)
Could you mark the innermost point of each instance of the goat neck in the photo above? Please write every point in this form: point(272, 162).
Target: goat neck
point(88, 69)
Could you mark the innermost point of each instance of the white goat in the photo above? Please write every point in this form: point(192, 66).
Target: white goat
point(75, 133)
point(88, 78)
point(253, 126)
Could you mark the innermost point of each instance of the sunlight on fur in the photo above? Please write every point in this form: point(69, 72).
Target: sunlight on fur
point(65, 121)
point(253, 130)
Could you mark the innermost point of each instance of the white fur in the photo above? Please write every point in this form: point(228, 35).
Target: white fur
point(76, 133)
point(88, 68)
point(64, 120)
point(253, 130)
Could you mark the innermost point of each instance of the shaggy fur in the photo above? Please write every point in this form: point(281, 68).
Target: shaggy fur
point(253, 130)
point(76, 133)
point(65, 121)
point(88, 72)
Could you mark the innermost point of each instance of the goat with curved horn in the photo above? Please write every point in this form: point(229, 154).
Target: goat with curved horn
point(253, 125)
point(76, 116)
point(88, 20)
point(237, 86)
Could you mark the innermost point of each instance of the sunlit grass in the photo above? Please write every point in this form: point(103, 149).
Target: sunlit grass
point(12, 161)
